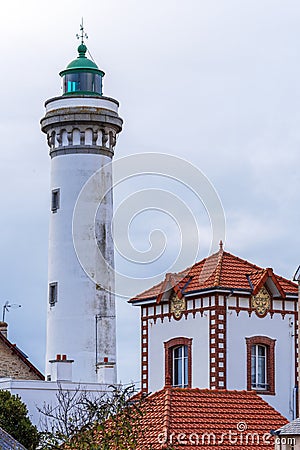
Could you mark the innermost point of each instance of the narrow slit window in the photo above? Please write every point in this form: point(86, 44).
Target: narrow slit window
point(52, 293)
point(55, 200)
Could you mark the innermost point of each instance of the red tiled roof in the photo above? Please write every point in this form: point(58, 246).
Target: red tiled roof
point(220, 270)
point(21, 356)
point(190, 415)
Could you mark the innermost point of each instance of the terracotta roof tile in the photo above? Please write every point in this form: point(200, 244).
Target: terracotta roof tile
point(220, 270)
point(191, 415)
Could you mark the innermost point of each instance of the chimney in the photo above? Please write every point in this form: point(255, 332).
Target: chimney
point(106, 371)
point(61, 368)
point(3, 328)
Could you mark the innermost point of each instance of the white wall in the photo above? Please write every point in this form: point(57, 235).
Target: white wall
point(71, 322)
point(196, 328)
point(242, 326)
point(36, 393)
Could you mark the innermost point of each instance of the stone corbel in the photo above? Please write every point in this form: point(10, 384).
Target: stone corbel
point(52, 140)
point(105, 137)
point(49, 139)
point(59, 138)
point(70, 137)
point(113, 139)
point(94, 137)
point(82, 137)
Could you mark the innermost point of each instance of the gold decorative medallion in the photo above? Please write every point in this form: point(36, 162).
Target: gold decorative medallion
point(178, 306)
point(261, 302)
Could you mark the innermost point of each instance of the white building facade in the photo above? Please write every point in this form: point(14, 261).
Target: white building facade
point(38, 394)
point(222, 324)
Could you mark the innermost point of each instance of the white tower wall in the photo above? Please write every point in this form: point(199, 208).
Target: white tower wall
point(81, 134)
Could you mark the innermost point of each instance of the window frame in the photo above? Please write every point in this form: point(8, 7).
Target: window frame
point(269, 345)
point(170, 346)
point(182, 366)
point(259, 384)
point(53, 293)
point(55, 200)
point(82, 81)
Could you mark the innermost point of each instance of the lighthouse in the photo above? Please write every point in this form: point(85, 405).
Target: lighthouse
point(81, 127)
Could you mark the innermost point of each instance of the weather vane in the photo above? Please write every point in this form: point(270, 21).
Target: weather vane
point(6, 307)
point(82, 34)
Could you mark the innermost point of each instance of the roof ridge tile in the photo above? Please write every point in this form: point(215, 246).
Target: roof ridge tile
point(219, 267)
point(167, 410)
point(219, 270)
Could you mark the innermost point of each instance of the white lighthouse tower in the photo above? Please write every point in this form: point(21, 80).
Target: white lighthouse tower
point(81, 127)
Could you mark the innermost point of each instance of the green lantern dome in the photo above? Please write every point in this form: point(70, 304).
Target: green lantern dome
point(82, 75)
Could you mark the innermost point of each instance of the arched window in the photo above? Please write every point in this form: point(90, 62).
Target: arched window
point(261, 364)
point(178, 362)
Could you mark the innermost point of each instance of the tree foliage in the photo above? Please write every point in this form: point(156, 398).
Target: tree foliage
point(95, 421)
point(15, 421)
point(82, 420)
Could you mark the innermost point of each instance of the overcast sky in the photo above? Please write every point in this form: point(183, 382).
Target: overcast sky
point(215, 82)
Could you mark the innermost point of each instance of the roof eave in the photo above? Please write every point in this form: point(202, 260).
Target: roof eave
point(218, 289)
